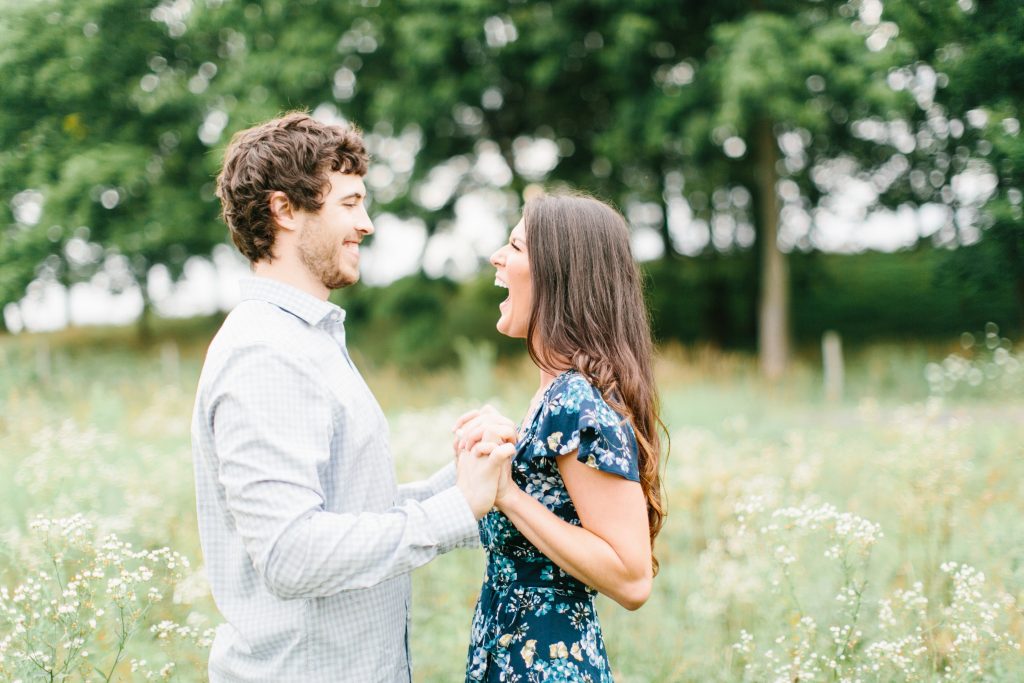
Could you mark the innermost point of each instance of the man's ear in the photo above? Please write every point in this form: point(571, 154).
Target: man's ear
point(284, 213)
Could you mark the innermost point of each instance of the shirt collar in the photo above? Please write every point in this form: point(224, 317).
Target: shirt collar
point(291, 299)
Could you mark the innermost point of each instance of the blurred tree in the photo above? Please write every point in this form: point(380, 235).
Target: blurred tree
point(717, 127)
point(686, 110)
point(977, 49)
point(101, 171)
point(347, 61)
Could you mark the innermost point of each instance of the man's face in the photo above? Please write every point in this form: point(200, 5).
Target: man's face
point(329, 243)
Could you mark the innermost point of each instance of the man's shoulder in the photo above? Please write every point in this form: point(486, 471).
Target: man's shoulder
point(259, 323)
point(255, 328)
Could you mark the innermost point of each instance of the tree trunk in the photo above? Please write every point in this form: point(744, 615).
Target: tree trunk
point(773, 305)
point(145, 321)
point(717, 317)
point(68, 309)
point(669, 252)
point(66, 283)
point(1020, 300)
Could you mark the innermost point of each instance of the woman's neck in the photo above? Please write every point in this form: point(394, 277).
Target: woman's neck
point(546, 378)
point(555, 364)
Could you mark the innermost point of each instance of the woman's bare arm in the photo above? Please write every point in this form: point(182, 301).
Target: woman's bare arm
point(611, 552)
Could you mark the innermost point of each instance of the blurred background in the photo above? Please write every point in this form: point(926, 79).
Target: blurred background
point(787, 167)
point(825, 198)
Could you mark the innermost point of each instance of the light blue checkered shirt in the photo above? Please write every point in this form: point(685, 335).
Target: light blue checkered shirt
point(307, 539)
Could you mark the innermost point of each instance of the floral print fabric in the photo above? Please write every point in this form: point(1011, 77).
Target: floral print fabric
point(533, 622)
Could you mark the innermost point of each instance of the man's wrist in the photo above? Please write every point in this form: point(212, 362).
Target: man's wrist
point(452, 519)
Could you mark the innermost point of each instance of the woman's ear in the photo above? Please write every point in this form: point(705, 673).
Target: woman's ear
point(284, 213)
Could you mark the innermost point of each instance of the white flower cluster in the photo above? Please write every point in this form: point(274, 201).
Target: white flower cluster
point(796, 656)
point(80, 600)
point(842, 527)
point(971, 620)
point(909, 644)
point(140, 667)
point(168, 630)
point(811, 642)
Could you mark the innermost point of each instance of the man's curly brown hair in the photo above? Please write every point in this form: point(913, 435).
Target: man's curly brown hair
point(291, 154)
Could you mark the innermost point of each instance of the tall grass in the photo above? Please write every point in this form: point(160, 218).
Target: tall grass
point(875, 538)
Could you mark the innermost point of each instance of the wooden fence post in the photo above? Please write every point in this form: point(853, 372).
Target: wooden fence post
point(832, 358)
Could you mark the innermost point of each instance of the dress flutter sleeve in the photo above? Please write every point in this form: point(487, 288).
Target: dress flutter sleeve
point(574, 417)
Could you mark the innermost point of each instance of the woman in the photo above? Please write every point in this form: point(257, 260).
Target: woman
point(583, 505)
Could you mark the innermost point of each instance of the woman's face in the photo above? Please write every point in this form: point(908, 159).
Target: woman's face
point(512, 265)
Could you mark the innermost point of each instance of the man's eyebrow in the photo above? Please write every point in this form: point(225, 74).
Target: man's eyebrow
point(352, 195)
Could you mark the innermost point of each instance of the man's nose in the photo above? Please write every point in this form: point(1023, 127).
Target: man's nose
point(365, 225)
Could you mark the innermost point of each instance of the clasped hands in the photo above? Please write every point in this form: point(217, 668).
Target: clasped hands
point(484, 445)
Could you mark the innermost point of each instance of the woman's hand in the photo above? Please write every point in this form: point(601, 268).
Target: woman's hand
point(485, 431)
point(506, 487)
point(485, 423)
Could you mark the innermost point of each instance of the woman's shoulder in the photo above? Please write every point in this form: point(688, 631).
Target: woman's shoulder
point(577, 418)
point(572, 391)
point(573, 384)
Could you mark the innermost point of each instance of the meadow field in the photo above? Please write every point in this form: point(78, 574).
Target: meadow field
point(878, 537)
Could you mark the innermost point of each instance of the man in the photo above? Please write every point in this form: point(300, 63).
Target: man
point(307, 539)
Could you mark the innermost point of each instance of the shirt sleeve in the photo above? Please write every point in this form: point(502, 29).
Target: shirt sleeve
point(272, 423)
point(425, 488)
point(440, 481)
point(575, 418)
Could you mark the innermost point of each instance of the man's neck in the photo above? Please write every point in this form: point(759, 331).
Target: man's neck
point(293, 274)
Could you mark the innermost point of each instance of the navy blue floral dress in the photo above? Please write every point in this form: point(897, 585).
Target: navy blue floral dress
point(534, 623)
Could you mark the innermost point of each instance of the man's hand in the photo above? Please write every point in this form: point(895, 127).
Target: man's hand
point(479, 471)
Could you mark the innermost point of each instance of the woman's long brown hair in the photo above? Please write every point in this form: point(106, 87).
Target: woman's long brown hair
point(589, 312)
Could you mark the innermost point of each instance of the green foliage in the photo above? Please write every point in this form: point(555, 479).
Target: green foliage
point(978, 48)
point(902, 295)
point(869, 296)
point(99, 120)
point(639, 98)
point(417, 323)
point(706, 298)
point(606, 82)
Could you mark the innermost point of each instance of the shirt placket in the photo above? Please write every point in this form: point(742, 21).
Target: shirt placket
point(335, 327)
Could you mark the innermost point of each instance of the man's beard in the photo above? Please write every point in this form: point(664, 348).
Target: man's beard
point(320, 255)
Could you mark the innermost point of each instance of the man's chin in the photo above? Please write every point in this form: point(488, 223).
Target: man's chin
point(342, 281)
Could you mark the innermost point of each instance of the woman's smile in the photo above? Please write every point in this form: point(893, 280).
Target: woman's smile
point(512, 266)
